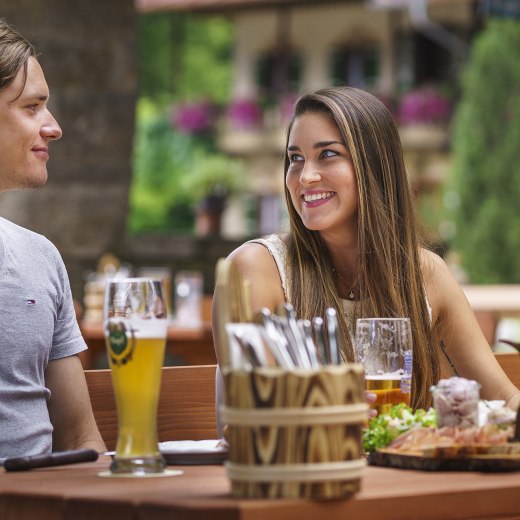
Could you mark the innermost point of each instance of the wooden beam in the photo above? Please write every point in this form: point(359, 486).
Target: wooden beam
point(217, 6)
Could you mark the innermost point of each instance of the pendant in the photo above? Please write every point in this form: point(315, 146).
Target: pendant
point(351, 295)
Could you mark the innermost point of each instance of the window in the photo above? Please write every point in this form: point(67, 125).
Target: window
point(356, 66)
point(278, 73)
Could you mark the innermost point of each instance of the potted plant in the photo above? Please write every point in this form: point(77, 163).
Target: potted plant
point(213, 180)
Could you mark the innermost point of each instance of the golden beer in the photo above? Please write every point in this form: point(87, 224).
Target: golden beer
point(389, 391)
point(136, 386)
point(135, 323)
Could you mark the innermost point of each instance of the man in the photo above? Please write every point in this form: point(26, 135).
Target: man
point(44, 401)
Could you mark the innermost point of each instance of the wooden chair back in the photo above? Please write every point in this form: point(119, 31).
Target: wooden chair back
point(186, 404)
point(510, 363)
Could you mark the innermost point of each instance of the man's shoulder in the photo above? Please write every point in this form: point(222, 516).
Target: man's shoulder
point(12, 231)
point(18, 237)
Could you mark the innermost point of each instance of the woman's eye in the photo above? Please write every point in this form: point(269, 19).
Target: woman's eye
point(32, 107)
point(295, 157)
point(329, 153)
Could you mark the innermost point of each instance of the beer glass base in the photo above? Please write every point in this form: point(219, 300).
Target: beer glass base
point(138, 465)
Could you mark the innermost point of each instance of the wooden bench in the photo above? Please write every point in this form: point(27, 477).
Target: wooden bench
point(186, 404)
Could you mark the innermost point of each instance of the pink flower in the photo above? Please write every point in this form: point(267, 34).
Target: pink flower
point(424, 105)
point(244, 114)
point(194, 117)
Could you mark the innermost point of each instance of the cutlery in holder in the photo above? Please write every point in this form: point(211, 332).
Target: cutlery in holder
point(295, 433)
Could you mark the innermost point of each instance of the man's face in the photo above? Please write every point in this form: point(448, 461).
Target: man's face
point(26, 128)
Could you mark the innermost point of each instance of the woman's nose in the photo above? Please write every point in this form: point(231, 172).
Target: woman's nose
point(51, 129)
point(309, 174)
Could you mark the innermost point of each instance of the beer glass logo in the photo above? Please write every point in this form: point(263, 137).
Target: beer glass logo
point(120, 346)
point(406, 381)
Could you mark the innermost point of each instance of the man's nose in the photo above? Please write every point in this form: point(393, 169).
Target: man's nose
point(51, 129)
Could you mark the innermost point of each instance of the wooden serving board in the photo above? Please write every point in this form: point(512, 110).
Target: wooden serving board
point(486, 462)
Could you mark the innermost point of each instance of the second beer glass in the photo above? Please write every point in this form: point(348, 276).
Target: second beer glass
point(384, 347)
point(135, 326)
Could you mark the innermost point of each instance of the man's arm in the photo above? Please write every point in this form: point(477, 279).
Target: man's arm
point(69, 406)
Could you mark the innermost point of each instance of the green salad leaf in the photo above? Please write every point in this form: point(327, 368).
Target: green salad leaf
point(384, 428)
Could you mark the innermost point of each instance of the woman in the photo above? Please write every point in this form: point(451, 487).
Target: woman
point(353, 244)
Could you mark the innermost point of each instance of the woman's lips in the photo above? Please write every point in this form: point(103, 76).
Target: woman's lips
point(318, 202)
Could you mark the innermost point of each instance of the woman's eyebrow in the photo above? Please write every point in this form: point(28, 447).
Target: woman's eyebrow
point(323, 144)
point(319, 144)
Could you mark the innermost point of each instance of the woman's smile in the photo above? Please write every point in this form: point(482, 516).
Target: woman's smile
point(315, 199)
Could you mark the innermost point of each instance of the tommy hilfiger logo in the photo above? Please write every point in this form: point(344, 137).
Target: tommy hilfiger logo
point(30, 302)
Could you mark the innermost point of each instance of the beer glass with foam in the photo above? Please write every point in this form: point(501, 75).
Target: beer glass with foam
point(135, 326)
point(384, 346)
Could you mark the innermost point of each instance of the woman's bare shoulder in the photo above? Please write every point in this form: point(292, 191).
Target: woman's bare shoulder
point(252, 257)
point(432, 265)
point(442, 289)
point(256, 264)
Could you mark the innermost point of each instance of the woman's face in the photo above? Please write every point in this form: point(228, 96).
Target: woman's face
point(321, 177)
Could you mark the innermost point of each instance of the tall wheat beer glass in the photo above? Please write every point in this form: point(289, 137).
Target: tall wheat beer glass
point(135, 325)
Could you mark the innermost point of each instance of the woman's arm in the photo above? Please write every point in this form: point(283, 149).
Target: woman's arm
point(257, 266)
point(459, 337)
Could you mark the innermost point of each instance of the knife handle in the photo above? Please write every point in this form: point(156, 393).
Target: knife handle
point(49, 459)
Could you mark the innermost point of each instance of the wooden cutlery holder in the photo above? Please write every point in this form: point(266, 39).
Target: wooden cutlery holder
point(295, 433)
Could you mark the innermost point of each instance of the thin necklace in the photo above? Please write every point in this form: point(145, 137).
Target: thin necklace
point(351, 294)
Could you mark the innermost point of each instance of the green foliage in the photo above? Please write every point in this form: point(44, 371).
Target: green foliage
point(159, 35)
point(181, 58)
point(173, 171)
point(486, 152)
point(206, 60)
point(162, 158)
point(216, 175)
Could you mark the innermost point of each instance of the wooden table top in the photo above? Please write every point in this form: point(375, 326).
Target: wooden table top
point(76, 492)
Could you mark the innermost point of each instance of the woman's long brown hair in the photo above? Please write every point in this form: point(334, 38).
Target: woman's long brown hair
point(389, 274)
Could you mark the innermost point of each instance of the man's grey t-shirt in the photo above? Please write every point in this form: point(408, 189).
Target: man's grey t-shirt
point(37, 325)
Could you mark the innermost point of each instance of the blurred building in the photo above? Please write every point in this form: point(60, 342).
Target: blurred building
point(408, 53)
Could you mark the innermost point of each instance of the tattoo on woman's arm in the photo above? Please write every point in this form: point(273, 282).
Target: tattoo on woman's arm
point(443, 349)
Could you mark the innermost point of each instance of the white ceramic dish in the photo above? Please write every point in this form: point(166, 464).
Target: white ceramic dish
point(211, 451)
